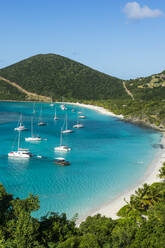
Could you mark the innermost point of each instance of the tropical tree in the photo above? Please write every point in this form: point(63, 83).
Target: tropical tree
point(162, 172)
point(99, 226)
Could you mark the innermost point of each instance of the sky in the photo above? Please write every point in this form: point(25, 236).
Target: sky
point(122, 38)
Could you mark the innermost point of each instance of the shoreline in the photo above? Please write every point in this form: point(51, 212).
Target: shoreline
point(96, 108)
point(111, 208)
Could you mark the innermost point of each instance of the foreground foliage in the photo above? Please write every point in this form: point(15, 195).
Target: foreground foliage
point(141, 225)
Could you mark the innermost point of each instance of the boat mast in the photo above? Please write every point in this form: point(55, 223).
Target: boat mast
point(66, 121)
point(32, 126)
point(55, 113)
point(40, 117)
point(19, 133)
point(21, 120)
point(61, 138)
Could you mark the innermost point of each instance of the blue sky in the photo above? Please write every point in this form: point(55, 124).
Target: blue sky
point(122, 38)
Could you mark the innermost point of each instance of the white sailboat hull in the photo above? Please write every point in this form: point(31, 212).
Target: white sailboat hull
point(20, 128)
point(19, 154)
point(62, 149)
point(78, 126)
point(41, 124)
point(67, 131)
point(33, 139)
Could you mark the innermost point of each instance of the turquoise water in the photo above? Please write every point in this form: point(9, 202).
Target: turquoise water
point(107, 157)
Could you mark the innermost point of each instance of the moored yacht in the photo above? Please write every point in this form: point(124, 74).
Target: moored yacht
point(40, 121)
point(62, 106)
point(78, 125)
point(66, 130)
point(21, 152)
point(33, 137)
point(62, 148)
point(20, 127)
point(55, 115)
point(82, 116)
point(51, 104)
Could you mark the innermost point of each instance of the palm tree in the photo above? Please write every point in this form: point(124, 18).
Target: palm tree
point(144, 198)
point(162, 172)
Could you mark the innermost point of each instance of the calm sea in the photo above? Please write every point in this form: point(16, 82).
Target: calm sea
point(107, 157)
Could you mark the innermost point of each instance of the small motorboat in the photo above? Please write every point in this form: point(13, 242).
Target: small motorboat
point(61, 161)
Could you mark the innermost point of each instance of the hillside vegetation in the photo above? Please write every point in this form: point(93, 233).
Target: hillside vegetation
point(57, 76)
point(7, 92)
point(49, 76)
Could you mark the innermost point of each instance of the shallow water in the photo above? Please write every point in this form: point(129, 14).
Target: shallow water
point(107, 157)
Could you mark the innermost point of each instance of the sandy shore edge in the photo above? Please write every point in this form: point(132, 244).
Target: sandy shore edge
point(96, 108)
point(111, 208)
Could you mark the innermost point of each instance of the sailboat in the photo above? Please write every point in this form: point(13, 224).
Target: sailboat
point(55, 115)
point(21, 127)
point(82, 116)
point(34, 110)
point(78, 125)
point(62, 148)
point(51, 104)
point(21, 152)
point(40, 122)
point(33, 137)
point(62, 106)
point(66, 130)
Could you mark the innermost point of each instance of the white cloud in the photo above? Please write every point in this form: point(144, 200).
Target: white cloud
point(133, 10)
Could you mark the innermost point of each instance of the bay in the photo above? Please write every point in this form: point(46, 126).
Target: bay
point(107, 157)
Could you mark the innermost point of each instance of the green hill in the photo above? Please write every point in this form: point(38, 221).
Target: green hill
point(57, 76)
point(41, 77)
point(147, 88)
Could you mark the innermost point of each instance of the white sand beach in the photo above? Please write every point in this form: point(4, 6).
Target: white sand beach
point(111, 208)
point(96, 108)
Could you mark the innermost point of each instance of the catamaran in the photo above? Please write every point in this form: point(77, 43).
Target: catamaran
point(21, 152)
point(62, 148)
point(21, 127)
point(66, 130)
point(33, 137)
